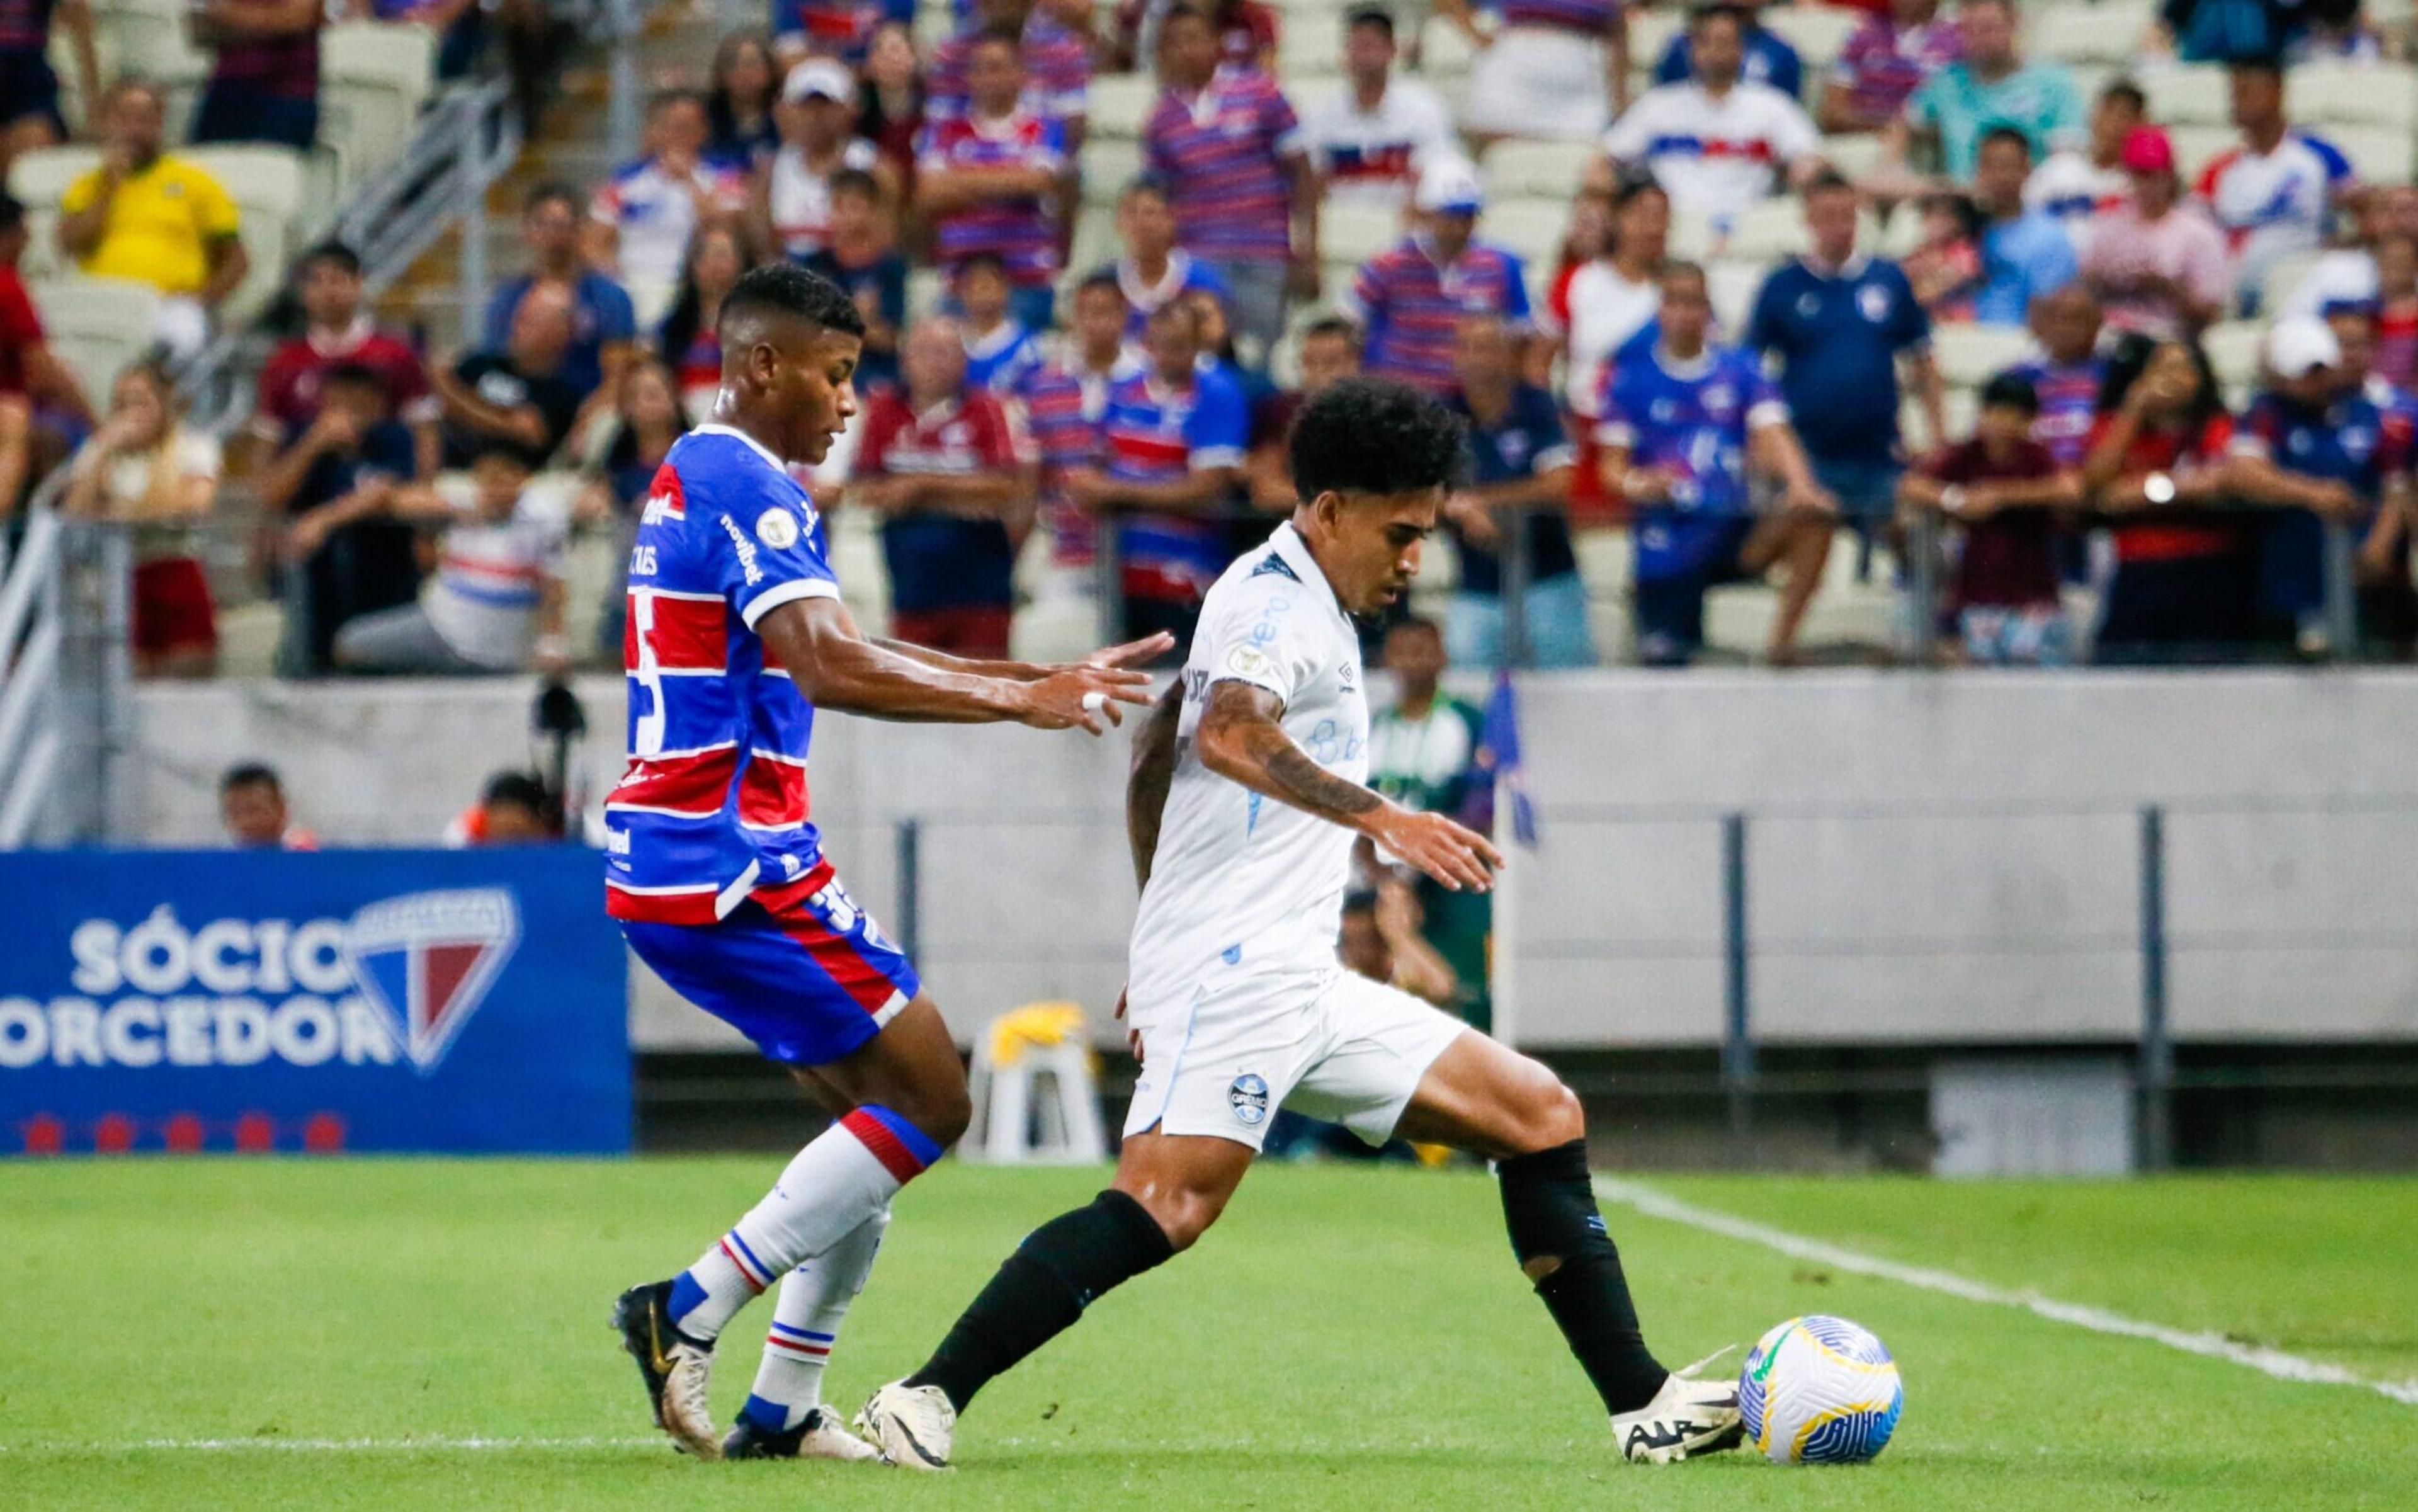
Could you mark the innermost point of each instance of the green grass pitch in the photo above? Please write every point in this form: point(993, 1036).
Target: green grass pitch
point(1349, 1338)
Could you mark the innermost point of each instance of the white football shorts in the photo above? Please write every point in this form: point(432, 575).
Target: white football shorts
point(1339, 1047)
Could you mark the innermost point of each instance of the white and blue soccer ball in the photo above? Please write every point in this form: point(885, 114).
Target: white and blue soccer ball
point(1819, 1391)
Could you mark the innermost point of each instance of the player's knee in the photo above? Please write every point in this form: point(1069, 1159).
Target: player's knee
point(1551, 1113)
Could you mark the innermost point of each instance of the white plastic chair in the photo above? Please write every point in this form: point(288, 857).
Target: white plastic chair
point(1035, 1100)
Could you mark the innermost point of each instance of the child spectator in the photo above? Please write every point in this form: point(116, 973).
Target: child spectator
point(144, 467)
point(741, 134)
point(2156, 469)
point(950, 469)
point(355, 446)
point(1945, 266)
point(520, 395)
point(265, 85)
point(992, 177)
point(494, 603)
point(860, 255)
point(791, 205)
point(2067, 374)
point(1001, 351)
point(642, 220)
point(689, 340)
point(2003, 492)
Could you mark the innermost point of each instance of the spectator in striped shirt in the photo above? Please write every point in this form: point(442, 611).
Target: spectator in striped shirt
point(1884, 62)
point(1412, 299)
point(1000, 350)
point(1065, 403)
point(992, 179)
point(2067, 373)
point(265, 85)
point(1173, 439)
point(1057, 66)
point(1244, 197)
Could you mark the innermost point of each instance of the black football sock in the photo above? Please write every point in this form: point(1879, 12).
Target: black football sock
point(1549, 1206)
point(1042, 1289)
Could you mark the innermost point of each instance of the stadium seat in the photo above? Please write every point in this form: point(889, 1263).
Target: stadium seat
point(1108, 166)
point(374, 76)
point(2189, 94)
point(1650, 33)
point(40, 179)
point(1733, 284)
point(2378, 154)
point(1449, 55)
point(1971, 355)
point(1768, 233)
point(1531, 227)
point(2371, 94)
point(1094, 244)
point(1354, 236)
point(2283, 276)
point(1816, 32)
point(96, 326)
point(1549, 169)
point(2233, 348)
point(149, 37)
point(2196, 146)
point(2108, 32)
point(1855, 154)
point(1120, 103)
point(266, 183)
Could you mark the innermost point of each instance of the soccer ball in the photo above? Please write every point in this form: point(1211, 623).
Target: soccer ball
point(1819, 1391)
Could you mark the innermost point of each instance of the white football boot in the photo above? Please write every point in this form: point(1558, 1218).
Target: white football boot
point(1686, 1418)
point(676, 1367)
point(915, 1426)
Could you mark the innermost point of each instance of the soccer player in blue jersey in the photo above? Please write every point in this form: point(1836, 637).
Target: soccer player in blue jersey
point(1684, 427)
point(737, 636)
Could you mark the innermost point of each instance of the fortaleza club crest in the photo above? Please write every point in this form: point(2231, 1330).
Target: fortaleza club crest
point(426, 960)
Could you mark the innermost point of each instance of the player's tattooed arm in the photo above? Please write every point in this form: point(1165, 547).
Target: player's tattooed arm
point(1153, 772)
point(1132, 653)
point(1240, 739)
point(816, 640)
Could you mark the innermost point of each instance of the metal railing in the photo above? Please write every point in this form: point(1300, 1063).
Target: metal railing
point(65, 671)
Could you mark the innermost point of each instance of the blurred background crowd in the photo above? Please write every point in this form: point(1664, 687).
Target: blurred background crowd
point(2035, 335)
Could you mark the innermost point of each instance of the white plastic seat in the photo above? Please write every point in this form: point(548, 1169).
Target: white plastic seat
point(2234, 348)
point(1119, 103)
point(1970, 354)
point(2107, 32)
point(1649, 34)
point(1816, 32)
point(1108, 166)
point(2197, 94)
point(2372, 94)
point(1355, 233)
point(2377, 154)
point(1548, 169)
point(2196, 146)
point(96, 326)
point(1531, 227)
point(1732, 284)
point(266, 184)
point(374, 76)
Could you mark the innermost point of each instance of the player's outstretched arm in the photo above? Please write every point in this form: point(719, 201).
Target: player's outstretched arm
point(816, 640)
point(1132, 653)
point(1240, 739)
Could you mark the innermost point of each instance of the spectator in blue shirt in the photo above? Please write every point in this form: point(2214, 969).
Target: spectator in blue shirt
point(355, 447)
point(2025, 253)
point(1521, 461)
point(1686, 428)
point(604, 324)
point(1839, 322)
point(1769, 59)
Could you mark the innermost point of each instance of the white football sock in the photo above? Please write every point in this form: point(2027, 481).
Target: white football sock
point(814, 1299)
point(829, 1190)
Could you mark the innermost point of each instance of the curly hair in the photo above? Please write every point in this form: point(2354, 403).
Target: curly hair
point(787, 289)
point(1371, 435)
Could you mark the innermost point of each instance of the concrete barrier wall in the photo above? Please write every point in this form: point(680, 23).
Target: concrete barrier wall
point(1941, 859)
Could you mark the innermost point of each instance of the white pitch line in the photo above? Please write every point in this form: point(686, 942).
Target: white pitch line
point(2275, 1363)
point(439, 1445)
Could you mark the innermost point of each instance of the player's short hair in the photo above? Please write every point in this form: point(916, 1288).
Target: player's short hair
point(1377, 16)
point(250, 775)
point(2006, 133)
point(2130, 93)
point(1372, 435)
point(2012, 391)
point(785, 289)
point(519, 789)
point(856, 181)
point(331, 250)
point(1332, 326)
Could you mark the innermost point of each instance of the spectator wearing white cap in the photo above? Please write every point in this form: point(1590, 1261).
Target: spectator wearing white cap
point(2315, 449)
point(791, 205)
point(1369, 140)
point(1556, 69)
point(640, 223)
point(1411, 301)
point(1718, 142)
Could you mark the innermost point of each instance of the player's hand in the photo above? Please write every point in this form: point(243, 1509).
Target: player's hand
point(1459, 858)
point(1476, 521)
point(1133, 1036)
point(1087, 696)
point(1133, 652)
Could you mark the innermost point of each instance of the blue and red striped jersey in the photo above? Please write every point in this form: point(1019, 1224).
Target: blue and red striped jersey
point(1064, 405)
point(1023, 231)
point(1222, 153)
point(1588, 18)
point(1409, 304)
point(711, 808)
point(2068, 403)
point(1057, 72)
point(1155, 433)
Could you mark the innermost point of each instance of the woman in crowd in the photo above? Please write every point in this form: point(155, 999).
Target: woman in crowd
point(146, 468)
point(648, 418)
point(1603, 306)
point(890, 102)
point(686, 339)
point(739, 106)
point(2156, 470)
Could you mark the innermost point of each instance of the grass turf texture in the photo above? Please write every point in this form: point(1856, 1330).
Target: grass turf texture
point(1347, 1338)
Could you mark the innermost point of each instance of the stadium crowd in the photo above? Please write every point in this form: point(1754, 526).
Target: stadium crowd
point(1842, 301)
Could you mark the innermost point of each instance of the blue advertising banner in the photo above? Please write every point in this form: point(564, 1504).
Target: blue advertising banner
point(466, 1002)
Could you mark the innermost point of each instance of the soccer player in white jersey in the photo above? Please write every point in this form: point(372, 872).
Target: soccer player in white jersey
point(717, 874)
point(1246, 795)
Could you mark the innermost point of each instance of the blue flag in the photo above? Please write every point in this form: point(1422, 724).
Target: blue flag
point(1498, 757)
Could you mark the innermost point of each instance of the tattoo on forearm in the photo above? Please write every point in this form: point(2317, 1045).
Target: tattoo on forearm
point(1304, 782)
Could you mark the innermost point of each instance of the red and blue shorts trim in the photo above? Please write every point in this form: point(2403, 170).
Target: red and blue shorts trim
point(808, 976)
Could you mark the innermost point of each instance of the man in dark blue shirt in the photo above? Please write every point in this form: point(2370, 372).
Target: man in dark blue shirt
point(1769, 59)
point(1521, 463)
point(604, 324)
point(1839, 322)
point(355, 444)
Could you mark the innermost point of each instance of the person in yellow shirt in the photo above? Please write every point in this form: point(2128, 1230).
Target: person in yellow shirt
point(154, 218)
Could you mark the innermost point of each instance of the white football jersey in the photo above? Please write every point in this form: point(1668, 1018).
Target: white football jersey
point(1243, 885)
point(1371, 158)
